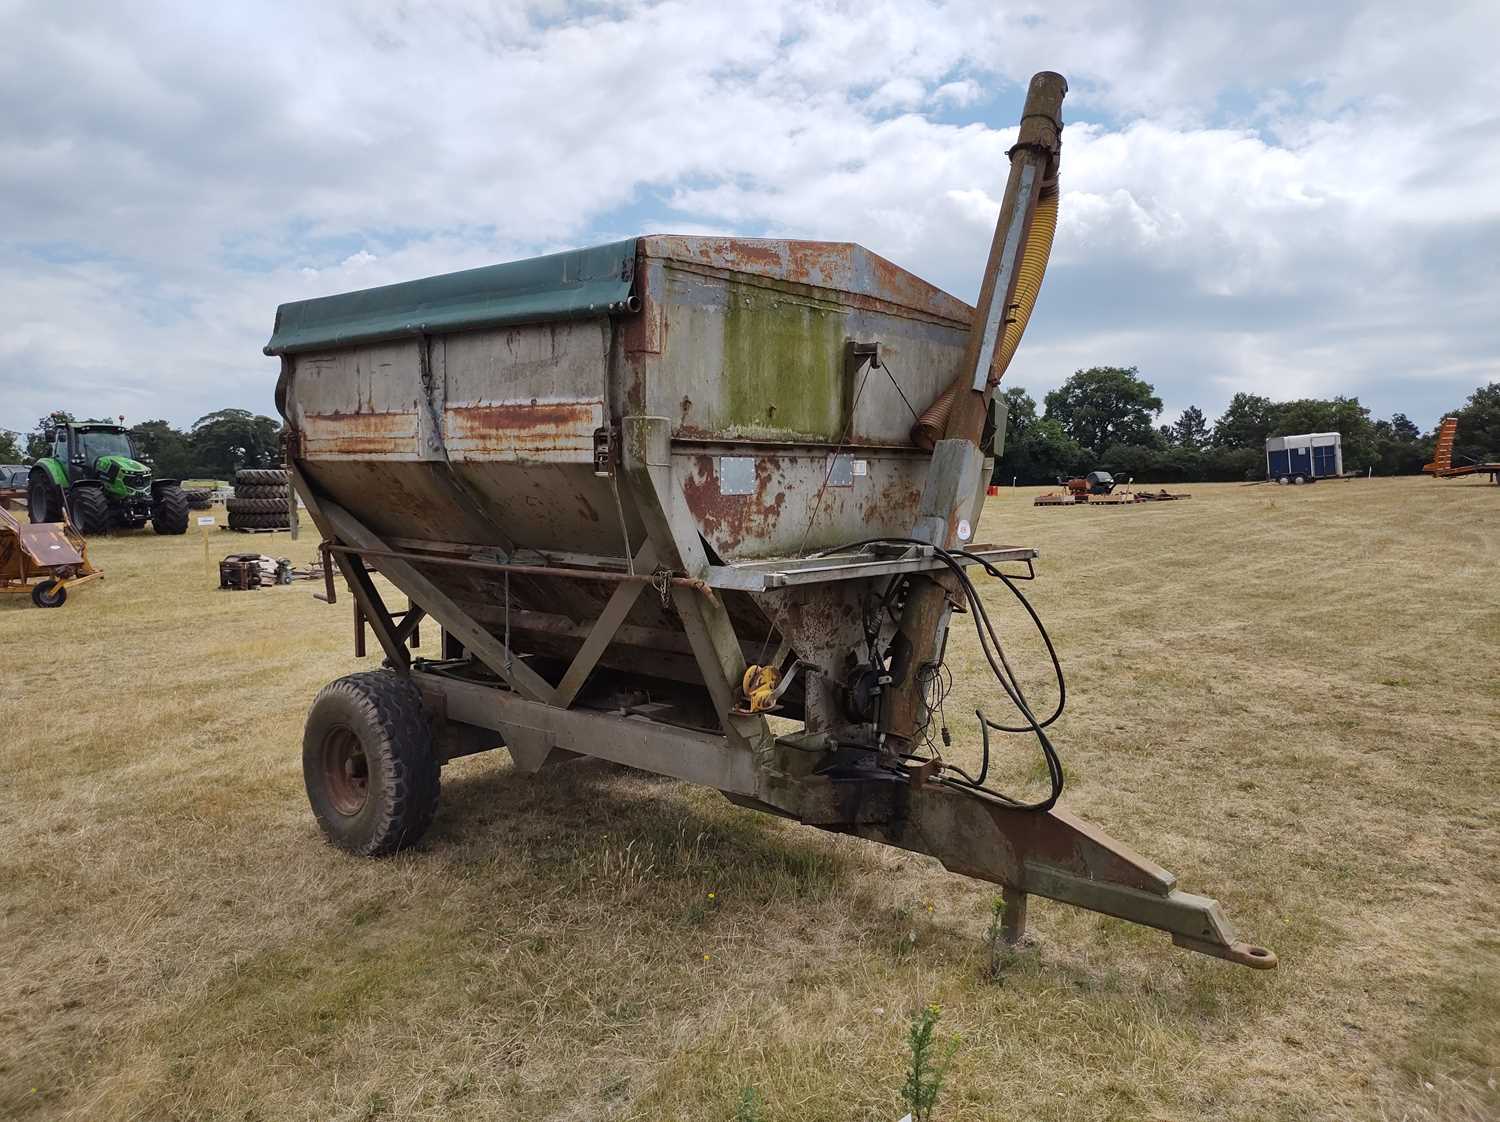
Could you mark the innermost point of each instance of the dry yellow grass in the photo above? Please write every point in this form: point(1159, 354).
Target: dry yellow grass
point(1272, 694)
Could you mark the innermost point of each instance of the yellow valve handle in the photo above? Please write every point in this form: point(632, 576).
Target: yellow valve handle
point(760, 684)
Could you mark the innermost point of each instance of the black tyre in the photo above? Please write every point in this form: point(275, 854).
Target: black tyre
point(262, 491)
point(368, 762)
point(1299, 480)
point(49, 594)
point(238, 505)
point(43, 498)
point(259, 521)
point(259, 477)
point(90, 510)
point(199, 500)
point(169, 510)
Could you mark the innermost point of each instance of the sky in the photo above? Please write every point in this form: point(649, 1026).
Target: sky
point(1288, 199)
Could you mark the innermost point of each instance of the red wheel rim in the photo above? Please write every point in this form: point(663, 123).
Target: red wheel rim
point(346, 772)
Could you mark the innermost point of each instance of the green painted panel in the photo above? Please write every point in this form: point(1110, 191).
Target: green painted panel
point(55, 470)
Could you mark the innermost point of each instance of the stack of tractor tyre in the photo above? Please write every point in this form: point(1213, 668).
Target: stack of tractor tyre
point(259, 502)
point(199, 500)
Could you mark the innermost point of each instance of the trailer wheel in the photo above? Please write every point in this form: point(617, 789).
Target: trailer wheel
point(368, 762)
point(49, 594)
point(1282, 481)
point(1299, 480)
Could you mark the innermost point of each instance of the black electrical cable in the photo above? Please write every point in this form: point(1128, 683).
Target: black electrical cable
point(1062, 686)
point(994, 653)
point(1012, 688)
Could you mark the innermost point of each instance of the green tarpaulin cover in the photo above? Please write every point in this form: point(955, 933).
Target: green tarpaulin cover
point(576, 284)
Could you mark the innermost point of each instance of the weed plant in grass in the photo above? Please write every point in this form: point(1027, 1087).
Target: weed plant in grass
point(1279, 694)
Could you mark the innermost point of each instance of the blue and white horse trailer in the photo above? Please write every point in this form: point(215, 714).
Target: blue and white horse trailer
point(1304, 459)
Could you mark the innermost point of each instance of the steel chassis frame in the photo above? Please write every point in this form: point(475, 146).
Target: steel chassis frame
point(491, 697)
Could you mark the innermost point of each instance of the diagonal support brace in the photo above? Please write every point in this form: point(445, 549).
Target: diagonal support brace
point(488, 649)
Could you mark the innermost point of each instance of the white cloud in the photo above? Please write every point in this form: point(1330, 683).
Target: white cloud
point(966, 91)
point(1291, 199)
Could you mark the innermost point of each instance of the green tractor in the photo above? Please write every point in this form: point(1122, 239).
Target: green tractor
point(94, 470)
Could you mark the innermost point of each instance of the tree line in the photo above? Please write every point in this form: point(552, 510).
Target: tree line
point(1105, 419)
point(212, 447)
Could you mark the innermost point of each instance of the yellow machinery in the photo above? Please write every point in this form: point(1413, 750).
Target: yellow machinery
point(48, 558)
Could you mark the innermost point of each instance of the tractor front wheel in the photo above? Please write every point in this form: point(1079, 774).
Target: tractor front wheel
point(90, 510)
point(49, 594)
point(169, 511)
point(39, 494)
point(368, 762)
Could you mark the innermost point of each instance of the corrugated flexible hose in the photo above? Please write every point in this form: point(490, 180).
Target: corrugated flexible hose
point(931, 425)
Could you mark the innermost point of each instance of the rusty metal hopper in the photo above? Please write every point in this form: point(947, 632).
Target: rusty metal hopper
point(477, 432)
point(657, 491)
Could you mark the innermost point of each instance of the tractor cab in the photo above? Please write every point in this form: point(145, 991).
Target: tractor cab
point(97, 451)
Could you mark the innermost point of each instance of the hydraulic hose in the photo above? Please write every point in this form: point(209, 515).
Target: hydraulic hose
point(1032, 268)
point(1029, 276)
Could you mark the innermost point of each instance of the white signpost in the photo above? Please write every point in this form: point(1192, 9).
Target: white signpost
point(204, 522)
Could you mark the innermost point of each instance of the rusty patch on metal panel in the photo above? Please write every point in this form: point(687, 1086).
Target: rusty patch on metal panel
point(521, 417)
point(895, 284)
point(643, 332)
point(896, 497)
point(820, 263)
point(730, 520)
point(635, 384)
point(818, 625)
point(748, 253)
point(536, 427)
point(359, 434)
point(863, 279)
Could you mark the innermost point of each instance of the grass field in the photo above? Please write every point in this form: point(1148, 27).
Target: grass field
point(1280, 694)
